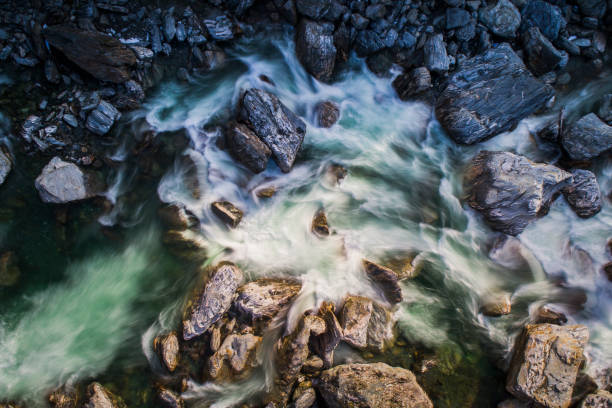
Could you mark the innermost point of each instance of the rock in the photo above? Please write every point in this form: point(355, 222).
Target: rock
point(306, 399)
point(325, 343)
point(279, 128)
point(211, 300)
point(587, 138)
point(584, 386)
point(63, 398)
point(496, 305)
point(371, 385)
point(314, 46)
point(220, 28)
point(177, 217)
point(413, 84)
point(6, 164)
point(546, 362)
point(167, 348)
point(547, 17)
point(489, 94)
point(605, 109)
point(169, 398)
point(326, 114)
point(511, 191)
point(319, 225)
point(235, 357)
point(99, 397)
point(186, 244)
point(436, 58)
point(265, 298)
point(71, 120)
point(62, 182)
point(502, 18)
point(169, 27)
point(607, 269)
point(583, 194)
point(593, 8)
point(548, 314)
point(102, 118)
point(542, 56)
point(313, 365)
point(456, 17)
point(30, 126)
point(315, 9)
point(386, 279)
point(239, 7)
point(104, 57)
point(368, 42)
point(247, 148)
point(600, 399)
point(365, 324)
point(227, 212)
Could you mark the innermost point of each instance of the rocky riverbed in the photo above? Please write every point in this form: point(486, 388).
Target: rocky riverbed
point(305, 203)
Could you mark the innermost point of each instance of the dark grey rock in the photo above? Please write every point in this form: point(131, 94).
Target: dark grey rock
point(6, 164)
point(587, 138)
point(413, 84)
point(456, 17)
point(593, 8)
point(583, 194)
point(279, 128)
point(489, 94)
point(605, 109)
point(358, 21)
point(467, 32)
point(30, 126)
point(542, 56)
point(315, 9)
point(169, 27)
point(247, 148)
point(406, 40)
point(375, 11)
point(547, 17)
point(51, 72)
point(62, 182)
point(71, 120)
point(315, 48)
point(368, 42)
point(102, 118)
point(238, 7)
point(510, 190)
point(502, 18)
point(227, 212)
point(181, 33)
point(220, 28)
point(326, 113)
point(436, 58)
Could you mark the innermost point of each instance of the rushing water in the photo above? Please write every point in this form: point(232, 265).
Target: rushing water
point(91, 309)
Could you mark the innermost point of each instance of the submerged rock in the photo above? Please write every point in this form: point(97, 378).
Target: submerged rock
point(169, 398)
point(489, 94)
point(587, 138)
point(167, 348)
point(314, 46)
point(365, 324)
point(546, 362)
point(176, 216)
point(227, 212)
point(6, 163)
point(600, 399)
point(510, 190)
point(583, 194)
point(327, 114)
point(9, 270)
point(496, 305)
point(99, 397)
point(371, 385)
point(186, 244)
point(279, 128)
point(386, 279)
point(235, 357)
point(62, 182)
point(265, 298)
point(247, 148)
point(212, 300)
point(502, 18)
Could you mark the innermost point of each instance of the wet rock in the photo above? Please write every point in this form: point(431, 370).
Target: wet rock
point(489, 94)
point(587, 138)
point(305, 399)
point(456, 17)
point(247, 148)
point(542, 56)
point(365, 324)
point(547, 17)
point(315, 9)
point(593, 8)
point(265, 298)
point(502, 18)
point(186, 244)
point(413, 84)
point(30, 126)
point(371, 385)
point(220, 28)
point(239, 7)
point(177, 217)
point(326, 114)
point(436, 58)
point(212, 300)
point(600, 399)
point(325, 343)
point(169, 27)
point(235, 357)
point(62, 182)
point(583, 194)
point(548, 314)
point(6, 164)
point(169, 398)
point(62, 398)
point(386, 279)
point(227, 212)
point(167, 348)
point(315, 48)
point(104, 57)
point(510, 190)
point(546, 362)
point(279, 128)
point(99, 397)
point(102, 118)
point(510, 253)
point(319, 225)
point(496, 305)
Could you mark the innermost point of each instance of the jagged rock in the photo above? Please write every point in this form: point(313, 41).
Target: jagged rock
point(169, 398)
point(62, 182)
point(436, 58)
point(265, 298)
point(600, 399)
point(99, 397)
point(169, 27)
point(227, 212)
point(63, 398)
point(583, 194)
point(327, 113)
point(319, 225)
point(542, 56)
point(496, 305)
point(386, 279)
point(247, 148)
point(510, 190)
point(546, 362)
point(186, 244)
point(489, 94)
point(502, 18)
point(325, 343)
point(234, 358)
point(167, 348)
point(371, 385)
point(279, 128)
point(102, 118)
point(177, 217)
point(413, 84)
point(6, 163)
point(365, 324)
point(211, 300)
point(587, 138)
point(547, 17)
point(104, 57)
point(314, 46)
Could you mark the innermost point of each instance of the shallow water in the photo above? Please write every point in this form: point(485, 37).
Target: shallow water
point(99, 306)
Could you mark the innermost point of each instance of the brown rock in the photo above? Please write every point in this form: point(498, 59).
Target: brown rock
point(496, 305)
point(547, 314)
point(265, 298)
point(186, 244)
point(235, 357)
point(365, 324)
point(325, 343)
point(227, 212)
point(169, 398)
point(320, 227)
point(386, 279)
point(99, 397)
point(9, 271)
point(167, 348)
point(62, 398)
point(177, 217)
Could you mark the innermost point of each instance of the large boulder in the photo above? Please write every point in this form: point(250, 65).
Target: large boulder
point(265, 298)
point(104, 57)
point(315, 48)
point(234, 358)
point(583, 194)
point(365, 324)
point(546, 362)
point(63, 182)
point(279, 128)
point(542, 56)
point(587, 138)
point(510, 190)
point(211, 300)
point(99, 397)
point(247, 148)
point(502, 18)
point(375, 385)
point(489, 94)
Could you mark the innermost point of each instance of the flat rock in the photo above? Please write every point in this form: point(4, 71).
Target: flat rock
point(279, 128)
point(62, 182)
point(327, 113)
point(600, 399)
point(227, 212)
point(365, 324)
point(502, 18)
point(104, 57)
point(376, 385)
point(583, 194)
point(102, 118)
point(211, 300)
point(511, 191)
point(234, 358)
point(587, 138)
point(489, 94)
point(314, 46)
point(546, 362)
point(247, 148)
point(265, 298)
point(167, 348)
